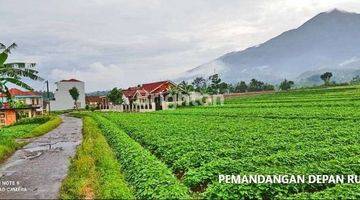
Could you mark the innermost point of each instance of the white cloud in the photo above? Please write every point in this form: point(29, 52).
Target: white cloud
point(95, 74)
point(349, 61)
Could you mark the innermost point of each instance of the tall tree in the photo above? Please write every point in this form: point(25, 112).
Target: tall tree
point(74, 92)
point(326, 77)
point(286, 85)
point(241, 87)
point(14, 72)
point(231, 88)
point(224, 88)
point(174, 94)
point(115, 96)
point(186, 88)
point(256, 85)
point(355, 80)
point(215, 81)
point(199, 84)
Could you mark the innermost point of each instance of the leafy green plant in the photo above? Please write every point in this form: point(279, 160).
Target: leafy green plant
point(94, 171)
point(17, 104)
point(11, 73)
point(307, 131)
point(115, 96)
point(149, 177)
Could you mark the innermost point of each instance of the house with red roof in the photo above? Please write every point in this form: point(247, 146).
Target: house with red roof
point(24, 104)
point(155, 92)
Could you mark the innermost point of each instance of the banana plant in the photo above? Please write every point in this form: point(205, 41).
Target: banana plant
point(12, 73)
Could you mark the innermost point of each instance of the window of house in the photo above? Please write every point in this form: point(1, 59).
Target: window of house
point(2, 118)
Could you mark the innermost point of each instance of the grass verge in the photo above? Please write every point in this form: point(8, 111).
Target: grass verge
point(53, 123)
point(94, 172)
point(24, 129)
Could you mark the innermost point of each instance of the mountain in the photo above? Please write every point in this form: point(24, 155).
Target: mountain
point(330, 41)
point(97, 93)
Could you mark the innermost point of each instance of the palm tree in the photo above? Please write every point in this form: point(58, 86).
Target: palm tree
point(174, 92)
point(186, 88)
point(13, 72)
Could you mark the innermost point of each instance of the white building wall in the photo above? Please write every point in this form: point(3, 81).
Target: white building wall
point(63, 99)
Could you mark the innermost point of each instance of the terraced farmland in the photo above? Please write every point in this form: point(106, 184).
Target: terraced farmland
point(299, 132)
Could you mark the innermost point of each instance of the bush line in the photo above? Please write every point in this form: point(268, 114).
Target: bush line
point(53, 123)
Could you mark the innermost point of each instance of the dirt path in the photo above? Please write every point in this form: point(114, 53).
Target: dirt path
point(36, 170)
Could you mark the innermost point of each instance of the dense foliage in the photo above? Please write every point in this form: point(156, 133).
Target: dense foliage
point(214, 85)
point(115, 96)
point(297, 132)
point(74, 93)
point(326, 77)
point(286, 85)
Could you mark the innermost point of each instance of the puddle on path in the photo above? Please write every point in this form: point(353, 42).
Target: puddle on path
point(41, 165)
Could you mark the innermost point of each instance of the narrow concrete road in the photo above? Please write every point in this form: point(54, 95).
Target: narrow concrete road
point(36, 170)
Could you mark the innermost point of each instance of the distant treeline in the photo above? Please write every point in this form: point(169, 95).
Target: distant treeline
point(214, 85)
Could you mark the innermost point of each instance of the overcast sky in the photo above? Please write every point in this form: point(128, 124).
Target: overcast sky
point(109, 43)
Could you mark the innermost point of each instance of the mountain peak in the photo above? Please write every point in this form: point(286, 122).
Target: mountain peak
point(329, 40)
point(336, 11)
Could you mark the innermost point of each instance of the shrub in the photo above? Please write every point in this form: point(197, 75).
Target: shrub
point(34, 120)
point(171, 105)
point(46, 127)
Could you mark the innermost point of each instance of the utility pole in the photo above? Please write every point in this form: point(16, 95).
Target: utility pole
point(48, 94)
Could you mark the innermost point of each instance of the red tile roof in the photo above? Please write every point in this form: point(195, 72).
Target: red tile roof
point(142, 92)
point(152, 86)
point(147, 88)
point(130, 92)
point(70, 80)
point(17, 92)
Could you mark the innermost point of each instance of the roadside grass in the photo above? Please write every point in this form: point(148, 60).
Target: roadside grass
point(24, 129)
point(94, 172)
point(46, 127)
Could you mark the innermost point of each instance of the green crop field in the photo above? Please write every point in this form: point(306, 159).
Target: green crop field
point(182, 152)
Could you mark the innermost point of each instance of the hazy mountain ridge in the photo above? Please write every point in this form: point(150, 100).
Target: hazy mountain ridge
point(97, 93)
point(328, 41)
